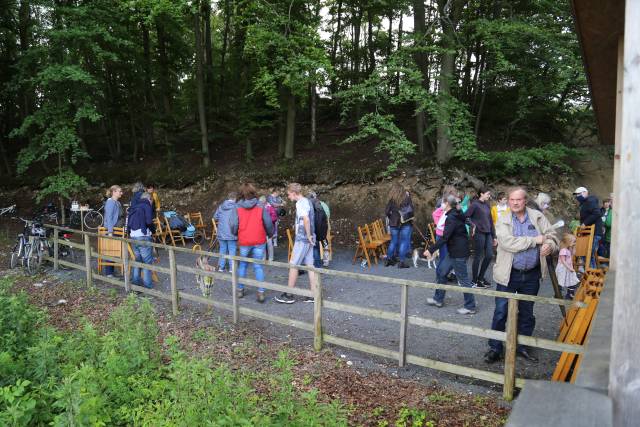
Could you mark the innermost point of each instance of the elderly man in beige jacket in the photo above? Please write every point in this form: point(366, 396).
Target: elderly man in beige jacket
point(525, 238)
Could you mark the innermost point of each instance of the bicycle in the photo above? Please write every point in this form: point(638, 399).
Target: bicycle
point(29, 249)
point(21, 248)
point(92, 219)
point(9, 210)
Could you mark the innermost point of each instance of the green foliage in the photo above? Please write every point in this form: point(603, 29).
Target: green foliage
point(551, 158)
point(124, 376)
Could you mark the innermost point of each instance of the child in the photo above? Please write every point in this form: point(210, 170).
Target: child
point(565, 272)
point(500, 209)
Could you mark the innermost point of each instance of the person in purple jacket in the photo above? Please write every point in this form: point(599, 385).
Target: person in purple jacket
point(484, 236)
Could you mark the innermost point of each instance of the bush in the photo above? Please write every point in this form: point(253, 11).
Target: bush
point(125, 377)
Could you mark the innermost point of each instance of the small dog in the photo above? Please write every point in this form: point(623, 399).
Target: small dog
point(431, 262)
point(205, 282)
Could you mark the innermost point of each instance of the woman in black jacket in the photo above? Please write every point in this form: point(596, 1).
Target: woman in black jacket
point(399, 211)
point(457, 240)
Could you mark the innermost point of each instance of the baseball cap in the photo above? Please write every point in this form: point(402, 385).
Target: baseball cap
point(580, 190)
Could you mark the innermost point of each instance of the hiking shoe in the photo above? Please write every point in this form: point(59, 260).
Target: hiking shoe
point(486, 283)
point(390, 261)
point(260, 297)
point(240, 293)
point(284, 298)
point(465, 311)
point(479, 285)
point(451, 277)
point(220, 270)
point(308, 299)
point(492, 356)
point(526, 353)
point(431, 301)
point(402, 264)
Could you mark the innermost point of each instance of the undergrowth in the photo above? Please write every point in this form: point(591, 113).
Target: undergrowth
point(125, 376)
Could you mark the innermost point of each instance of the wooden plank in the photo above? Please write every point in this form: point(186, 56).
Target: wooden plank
point(363, 311)
point(125, 267)
point(110, 280)
point(365, 348)
point(277, 319)
point(173, 277)
point(87, 260)
point(74, 245)
point(234, 290)
point(152, 292)
point(511, 344)
point(317, 314)
point(56, 249)
point(67, 263)
point(404, 302)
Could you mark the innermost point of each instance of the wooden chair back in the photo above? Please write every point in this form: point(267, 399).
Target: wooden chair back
point(290, 240)
point(584, 246)
point(110, 247)
point(160, 234)
point(173, 234)
point(195, 218)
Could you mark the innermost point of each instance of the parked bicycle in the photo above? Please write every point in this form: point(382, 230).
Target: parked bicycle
point(33, 244)
point(9, 210)
point(92, 218)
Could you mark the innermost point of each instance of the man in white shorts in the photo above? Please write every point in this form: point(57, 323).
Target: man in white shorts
point(305, 239)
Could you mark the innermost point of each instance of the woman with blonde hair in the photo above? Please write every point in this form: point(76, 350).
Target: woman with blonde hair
point(113, 217)
point(399, 212)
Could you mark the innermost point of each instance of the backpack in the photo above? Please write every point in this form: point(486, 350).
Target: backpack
point(190, 231)
point(176, 222)
point(320, 222)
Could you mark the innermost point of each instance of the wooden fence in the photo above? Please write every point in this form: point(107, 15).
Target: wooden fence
point(510, 336)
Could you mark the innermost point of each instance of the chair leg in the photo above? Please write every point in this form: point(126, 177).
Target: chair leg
point(355, 256)
point(366, 255)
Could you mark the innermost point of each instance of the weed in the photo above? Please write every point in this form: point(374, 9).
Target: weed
point(377, 411)
point(439, 397)
point(411, 417)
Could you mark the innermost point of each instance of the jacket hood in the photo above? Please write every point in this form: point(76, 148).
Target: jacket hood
point(228, 205)
point(247, 204)
point(457, 214)
point(138, 206)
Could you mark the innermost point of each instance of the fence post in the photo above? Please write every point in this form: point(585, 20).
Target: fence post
point(404, 300)
point(87, 259)
point(234, 290)
point(173, 273)
point(510, 350)
point(56, 249)
point(125, 267)
point(317, 314)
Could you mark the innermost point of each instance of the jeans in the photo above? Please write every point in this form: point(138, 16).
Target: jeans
point(108, 269)
point(594, 251)
point(527, 283)
point(255, 252)
point(483, 246)
point(227, 247)
point(143, 254)
point(400, 244)
point(444, 251)
point(459, 265)
point(317, 259)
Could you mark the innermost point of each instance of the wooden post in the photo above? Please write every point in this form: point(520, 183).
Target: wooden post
point(234, 290)
point(56, 248)
point(510, 350)
point(125, 267)
point(624, 370)
point(173, 273)
point(317, 314)
point(404, 320)
point(87, 259)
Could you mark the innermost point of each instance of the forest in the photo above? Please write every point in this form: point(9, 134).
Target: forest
point(474, 81)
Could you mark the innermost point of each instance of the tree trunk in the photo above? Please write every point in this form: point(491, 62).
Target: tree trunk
point(445, 145)
point(225, 44)
point(291, 126)
point(24, 33)
point(371, 47)
point(421, 61)
point(208, 54)
point(3, 152)
point(200, 89)
point(248, 150)
point(336, 35)
point(399, 47)
point(149, 104)
point(313, 106)
point(164, 81)
point(282, 125)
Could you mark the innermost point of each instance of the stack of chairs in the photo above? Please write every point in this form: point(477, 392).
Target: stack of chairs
point(372, 242)
point(110, 247)
point(576, 325)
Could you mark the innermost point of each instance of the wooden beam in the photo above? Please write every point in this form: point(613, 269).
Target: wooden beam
point(624, 369)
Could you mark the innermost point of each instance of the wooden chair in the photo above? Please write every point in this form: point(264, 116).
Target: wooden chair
point(173, 234)
point(214, 234)
point(160, 236)
point(290, 249)
point(365, 248)
point(378, 232)
point(195, 218)
point(584, 246)
point(383, 230)
point(110, 247)
point(373, 238)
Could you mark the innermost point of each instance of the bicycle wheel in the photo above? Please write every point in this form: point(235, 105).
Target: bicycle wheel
point(93, 220)
point(16, 254)
point(34, 259)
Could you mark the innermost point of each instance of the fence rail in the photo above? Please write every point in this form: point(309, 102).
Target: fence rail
point(510, 336)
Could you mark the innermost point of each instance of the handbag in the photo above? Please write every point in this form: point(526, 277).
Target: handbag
point(406, 213)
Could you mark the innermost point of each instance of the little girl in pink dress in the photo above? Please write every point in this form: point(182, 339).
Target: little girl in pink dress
point(565, 272)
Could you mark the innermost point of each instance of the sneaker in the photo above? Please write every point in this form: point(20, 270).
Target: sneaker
point(220, 269)
point(240, 293)
point(390, 261)
point(431, 301)
point(308, 299)
point(110, 275)
point(479, 285)
point(414, 258)
point(527, 354)
point(492, 356)
point(486, 283)
point(465, 311)
point(260, 297)
point(451, 277)
point(402, 264)
point(285, 298)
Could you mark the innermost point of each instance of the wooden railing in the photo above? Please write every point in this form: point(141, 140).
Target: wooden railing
point(510, 336)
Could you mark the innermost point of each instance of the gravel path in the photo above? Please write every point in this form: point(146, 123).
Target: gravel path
point(439, 345)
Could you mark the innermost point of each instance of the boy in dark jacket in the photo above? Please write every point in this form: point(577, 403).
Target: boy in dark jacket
point(252, 224)
point(590, 214)
point(140, 223)
point(457, 240)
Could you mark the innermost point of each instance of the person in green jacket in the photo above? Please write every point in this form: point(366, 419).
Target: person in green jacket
point(607, 219)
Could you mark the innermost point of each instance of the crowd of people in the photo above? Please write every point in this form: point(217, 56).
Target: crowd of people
point(514, 234)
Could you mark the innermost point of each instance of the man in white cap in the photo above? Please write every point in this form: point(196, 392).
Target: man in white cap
point(590, 215)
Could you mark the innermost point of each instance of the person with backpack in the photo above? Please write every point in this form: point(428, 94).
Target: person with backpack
point(399, 212)
point(226, 237)
point(274, 220)
point(253, 226)
point(276, 201)
point(321, 226)
point(141, 228)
